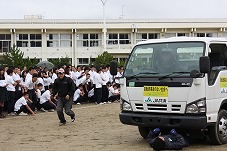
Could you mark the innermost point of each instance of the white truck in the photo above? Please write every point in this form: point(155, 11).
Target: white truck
point(178, 82)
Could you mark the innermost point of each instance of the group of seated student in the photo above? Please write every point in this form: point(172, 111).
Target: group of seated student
point(28, 91)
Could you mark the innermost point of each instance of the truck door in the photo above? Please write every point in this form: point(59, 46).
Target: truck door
point(217, 79)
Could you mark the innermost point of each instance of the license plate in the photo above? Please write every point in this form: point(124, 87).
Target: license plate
point(155, 94)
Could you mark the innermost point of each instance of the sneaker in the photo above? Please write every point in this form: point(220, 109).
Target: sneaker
point(11, 114)
point(78, 103)
point(23, 114)
point(100, 103)
point(43, 110)
point(104, 102)
point(51, 110)
point(62, 124)
point(73, 119)
point(109, 102)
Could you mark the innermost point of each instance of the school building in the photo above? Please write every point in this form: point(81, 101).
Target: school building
point(84, 40)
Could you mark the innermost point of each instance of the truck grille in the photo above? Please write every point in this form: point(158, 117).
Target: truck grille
point(158, 107)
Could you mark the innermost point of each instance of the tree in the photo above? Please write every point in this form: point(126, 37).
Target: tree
point(60, 61)
point(103, 59)
point(15, 57)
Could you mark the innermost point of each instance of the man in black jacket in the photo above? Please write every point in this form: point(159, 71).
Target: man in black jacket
point(64, 89)
point(173, 141)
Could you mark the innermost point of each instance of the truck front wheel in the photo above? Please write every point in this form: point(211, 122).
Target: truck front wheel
point(218, 132)
point(144, 131)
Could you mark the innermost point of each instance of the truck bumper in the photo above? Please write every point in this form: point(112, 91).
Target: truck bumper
point(168, 121)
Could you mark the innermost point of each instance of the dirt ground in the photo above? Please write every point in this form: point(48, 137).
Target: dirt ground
point(97, 128)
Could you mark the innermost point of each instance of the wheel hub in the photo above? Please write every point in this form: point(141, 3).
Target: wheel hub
point(223, 127)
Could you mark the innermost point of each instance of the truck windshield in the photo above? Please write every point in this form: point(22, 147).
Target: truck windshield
point(164, 58)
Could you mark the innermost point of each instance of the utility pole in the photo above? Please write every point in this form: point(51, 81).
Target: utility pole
point(104, 25)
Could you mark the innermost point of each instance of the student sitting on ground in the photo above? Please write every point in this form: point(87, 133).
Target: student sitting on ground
point(78, 97)
point(45, 100)
point(113, 94)
point(22, 107)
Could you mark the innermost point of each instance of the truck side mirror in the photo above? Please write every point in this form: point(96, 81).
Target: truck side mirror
point(113, 67)
point(195, 74)
point(204, 64)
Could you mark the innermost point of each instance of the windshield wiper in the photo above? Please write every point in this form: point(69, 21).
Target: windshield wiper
point(141, 73)
point(168, 75)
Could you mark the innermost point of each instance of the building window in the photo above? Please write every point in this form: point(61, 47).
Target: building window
point(112, 39)
point(65, 40)
point(83, 61)
point(168, 35)
point(22, 40)
point(5, 42)
point(59, 40)
point(89, 40)
point(35, 40)
point(182, 34)
point(224, 34)
point(146, 36)
point(206, 34)
point(92, 60)
point(29, 40)
point(118, 38)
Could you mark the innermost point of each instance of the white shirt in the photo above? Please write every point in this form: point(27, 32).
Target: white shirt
point(99, 81)
point(10, 81)
point(29, 84)
point(83, 80)
point(91, 93)
point(110, 76)
point(38, 93)
point(19, 103)
point(47, 81)
point(104, 77)
point(118, 75)
point(28, 76)
point(73, 76)
point(94, 79)
point(92, 73)
point(111, 91)
point(45, 97)
point(40, 80)
point(2, 83)
point(16, 77)
point(76, 94)
point(54, 76)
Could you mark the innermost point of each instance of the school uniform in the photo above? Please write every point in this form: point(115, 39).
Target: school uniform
point(20, 105)
point(44, 101)
point(77, 98)
point(105, 92)
point(31, 92)
point(98, 86)
point(10, 93)
point(2, 89)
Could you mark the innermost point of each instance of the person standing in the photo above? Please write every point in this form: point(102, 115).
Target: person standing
point(98, 87)
point(31, 85)
point(2, 92)
point(64, 89)
point(10, 91)
point(105, 78)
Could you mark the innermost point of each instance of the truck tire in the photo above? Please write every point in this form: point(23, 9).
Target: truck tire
point(144, 131)
point(218, 132)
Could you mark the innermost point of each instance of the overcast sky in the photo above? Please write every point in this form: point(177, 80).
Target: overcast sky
point(132, 9)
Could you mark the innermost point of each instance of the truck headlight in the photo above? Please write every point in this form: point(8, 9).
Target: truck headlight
point(197, 107)
point(125, 106)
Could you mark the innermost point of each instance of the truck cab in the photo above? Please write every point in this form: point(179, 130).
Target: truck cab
point(179, 83)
